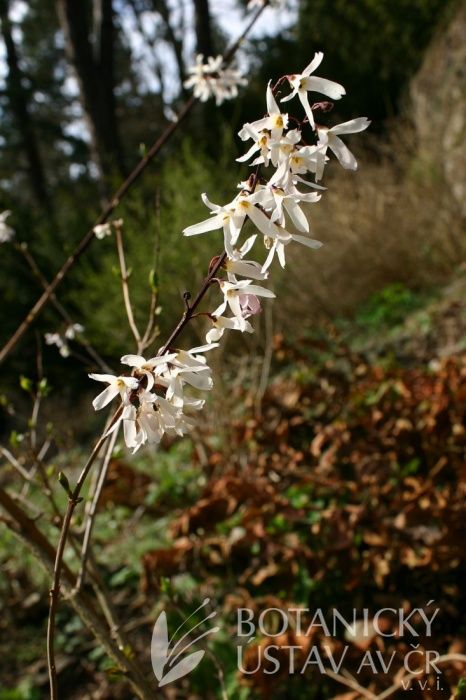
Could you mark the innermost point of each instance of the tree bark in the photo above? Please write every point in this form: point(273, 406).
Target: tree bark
point(19, 102)
point(204, 41)
point(94, 65)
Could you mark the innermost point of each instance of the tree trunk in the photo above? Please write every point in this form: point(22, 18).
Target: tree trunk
point(19, 103)
point(204, 42)
point(93, 62)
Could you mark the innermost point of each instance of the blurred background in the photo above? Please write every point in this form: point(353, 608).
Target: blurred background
point(328, 468)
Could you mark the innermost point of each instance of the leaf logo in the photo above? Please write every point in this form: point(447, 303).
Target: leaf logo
point(164, 660)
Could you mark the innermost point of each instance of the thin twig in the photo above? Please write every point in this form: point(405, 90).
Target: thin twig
point(116, 629)
point(115, 201)
point(73, 500)
point(220, 673)
point(25, 529)
point(25, 252)
point(14, 463)
point(152, 331)
point(125, 287)
point(93, 508)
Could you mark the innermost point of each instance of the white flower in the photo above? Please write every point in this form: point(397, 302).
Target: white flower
point(222, 218)
point(279, 243)
point(187, 367)
point(239, 296)
point(6, 232)
point(220, 323)
point(116, 385)
point(102, 230)
point(71, 331)
point(148, 421)
point(211, 80)
point(147, 368)
point(59, 341)
point(261, 143)
point(281, 200)
point(235, 265)
point(231, 218)
point(330, 138)
point(262, 130)
point(302, 83)
point(190, 366)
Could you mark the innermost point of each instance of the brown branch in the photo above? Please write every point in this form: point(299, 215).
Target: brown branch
point(115, 201)
point(73, 500)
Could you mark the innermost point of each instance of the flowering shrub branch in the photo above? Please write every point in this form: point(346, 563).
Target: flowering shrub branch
point(157, 397)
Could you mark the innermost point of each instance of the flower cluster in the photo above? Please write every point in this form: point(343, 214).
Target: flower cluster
point(101, 231)
point(156, 396)
point(275, 199)
point(61, 340)
point(210, 79)
point(6, 232)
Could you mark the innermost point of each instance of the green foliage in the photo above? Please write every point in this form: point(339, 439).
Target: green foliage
point(389, 307)
point(180, 264)
point(23, 691)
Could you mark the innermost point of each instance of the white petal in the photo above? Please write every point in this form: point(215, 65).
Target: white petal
point(309, 242)
point(281, 254)
point(214, 334)
point(105, 397)
point(203, 348)
point(270, 256)
point(110, 378)
point(249, 153)
point(272, 107)
point(133, 360)
point(297, 215)
point(235, 306)
point(325, 87)
point(307, 107)
point(215, 222)
point(289, 97)
point(354, 126)
point(260, 291)
point(247, 245)
point(220, 309)
point(262, 221)
point(129, 431)
point(315, 63)
point(247, 269)
point(343, 154)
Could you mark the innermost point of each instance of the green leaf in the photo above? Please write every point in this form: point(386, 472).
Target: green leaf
point(25, 383)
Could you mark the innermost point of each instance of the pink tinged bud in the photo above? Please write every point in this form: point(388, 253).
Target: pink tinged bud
point(325, 106)
point(250, 305)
